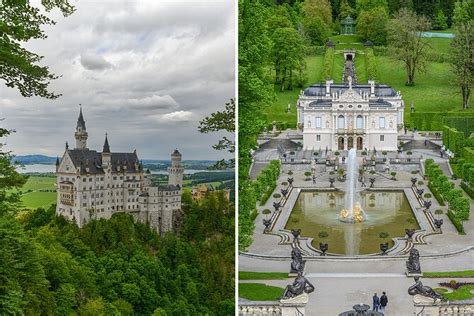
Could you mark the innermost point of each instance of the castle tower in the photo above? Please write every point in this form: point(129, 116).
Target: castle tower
point(106, 155)
point(81, 133)
point(176, 171)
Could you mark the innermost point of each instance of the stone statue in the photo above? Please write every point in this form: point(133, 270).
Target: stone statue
point(413, 263)
point(419, 289)
point(297, 263)
point(300, 285)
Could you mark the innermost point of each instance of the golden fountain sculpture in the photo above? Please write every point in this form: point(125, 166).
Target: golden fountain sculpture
point(357, 217)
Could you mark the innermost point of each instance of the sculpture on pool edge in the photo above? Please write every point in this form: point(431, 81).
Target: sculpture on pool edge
point(297, 263)
point(299, 286)
point(420, 289)
point(413, 263)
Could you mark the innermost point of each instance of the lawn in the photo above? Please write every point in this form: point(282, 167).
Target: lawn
point(247, 275)
point(32, 197)
point(34, 200)
point(39, 183)
point(462, 293)
point(278, 110)
point(259, 292)
point(450, 274)
point(432, 91)
point(347, 42)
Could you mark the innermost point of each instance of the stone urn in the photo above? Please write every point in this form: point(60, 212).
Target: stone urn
point(413, 182)
point(324, 248)
point(409, 232)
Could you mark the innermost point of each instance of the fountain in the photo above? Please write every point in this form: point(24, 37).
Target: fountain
point(353, 213)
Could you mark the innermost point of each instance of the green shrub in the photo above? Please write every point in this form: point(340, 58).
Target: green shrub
point(364, 153)
point(467, 189)
point(427, 195)
point(455, 222)
point(323, 234)
point(420, 182)
point(337, 153)
point(436, 195)
point(277, 195)
point(383, 235)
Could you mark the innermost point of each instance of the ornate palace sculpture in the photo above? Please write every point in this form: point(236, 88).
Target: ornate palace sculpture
point(297, 263)
point(300, 285)
point(413, 263)
point(419, 289)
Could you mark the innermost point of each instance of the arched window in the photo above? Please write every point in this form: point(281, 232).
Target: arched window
point(359, 121)
point(340, 121)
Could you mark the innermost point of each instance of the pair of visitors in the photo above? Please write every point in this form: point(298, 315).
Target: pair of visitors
point(379, 303)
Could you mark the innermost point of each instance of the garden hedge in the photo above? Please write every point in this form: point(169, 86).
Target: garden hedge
point(455, 222)
point(328, 63)
point(370, 65)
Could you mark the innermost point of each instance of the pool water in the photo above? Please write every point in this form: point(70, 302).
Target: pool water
point(316, 214)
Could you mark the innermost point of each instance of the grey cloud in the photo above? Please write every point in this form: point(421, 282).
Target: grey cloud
point(173, 64)
point(94, 62)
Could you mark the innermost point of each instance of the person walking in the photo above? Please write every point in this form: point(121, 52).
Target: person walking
point(383, 302)
point(375, 302)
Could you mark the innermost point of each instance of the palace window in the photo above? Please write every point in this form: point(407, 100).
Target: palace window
point(340, 121)
point(382, 138)
point(318, 138)
point(359, 121)
point(381, 122)
point(318, 122)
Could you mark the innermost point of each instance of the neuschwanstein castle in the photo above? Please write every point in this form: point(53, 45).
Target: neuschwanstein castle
point(94, 184)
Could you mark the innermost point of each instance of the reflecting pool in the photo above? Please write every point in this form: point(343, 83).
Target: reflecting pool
point(388, 214)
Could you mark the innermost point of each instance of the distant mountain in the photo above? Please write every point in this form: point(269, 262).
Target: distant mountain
point(35, 159)
point(151, 164)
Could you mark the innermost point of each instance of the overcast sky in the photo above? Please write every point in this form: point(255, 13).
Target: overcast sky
point(145, 72)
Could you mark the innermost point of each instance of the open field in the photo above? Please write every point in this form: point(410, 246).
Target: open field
point(32, 196)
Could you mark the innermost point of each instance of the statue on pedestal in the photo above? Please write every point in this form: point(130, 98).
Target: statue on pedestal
point(419, 289)
point(300, 286)
point(413, 263)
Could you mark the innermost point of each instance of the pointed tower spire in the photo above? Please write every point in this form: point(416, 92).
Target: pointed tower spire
point(81, 132)
point(57, 161)
point(106, 148)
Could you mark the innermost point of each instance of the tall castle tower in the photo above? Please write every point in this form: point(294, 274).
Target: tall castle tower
point(81, 133)
point(176, 171)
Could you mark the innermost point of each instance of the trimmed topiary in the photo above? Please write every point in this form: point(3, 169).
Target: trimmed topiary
point(427, 195)
point(383, 235)
point(277, 195)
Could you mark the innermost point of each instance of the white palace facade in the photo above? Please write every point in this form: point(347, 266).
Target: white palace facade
point(92, 184)
point(343, 116)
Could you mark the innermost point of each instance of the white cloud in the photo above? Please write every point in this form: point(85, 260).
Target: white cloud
point(178, 116)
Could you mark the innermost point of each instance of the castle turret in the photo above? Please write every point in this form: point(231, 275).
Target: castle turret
point(57, 164)
point(106, 155)
point(81, 132)
point(176, 171)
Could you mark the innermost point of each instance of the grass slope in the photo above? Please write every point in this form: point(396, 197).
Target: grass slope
point(247, 275)
point(259, 292)
point(278, 110)
point(450, 274)
point(35, 198)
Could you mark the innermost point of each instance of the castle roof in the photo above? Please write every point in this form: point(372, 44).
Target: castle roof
point(85, 158)
point(168, 187)
point(319, 90)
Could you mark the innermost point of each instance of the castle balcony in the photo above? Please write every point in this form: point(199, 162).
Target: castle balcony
point(350, 131)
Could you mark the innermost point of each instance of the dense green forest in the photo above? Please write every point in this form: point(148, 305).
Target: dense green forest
point(48, 266)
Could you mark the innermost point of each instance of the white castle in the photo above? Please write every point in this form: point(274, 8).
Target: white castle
point(345, 116)
point(93, 184)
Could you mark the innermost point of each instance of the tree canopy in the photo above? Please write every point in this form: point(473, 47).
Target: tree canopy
point(19, 23)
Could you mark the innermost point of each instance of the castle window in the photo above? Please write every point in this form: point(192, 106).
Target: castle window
point(318, 138)
point(381, 122)
point(90, 179)
point(84, 179)
point(382, 138)
point(340, 121)
point(359, 121)
point(318, 122)
point(115, 178)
